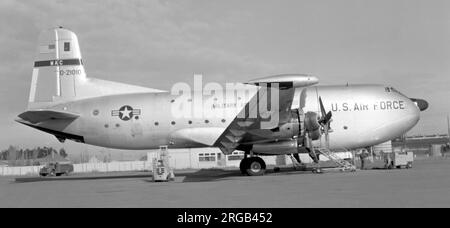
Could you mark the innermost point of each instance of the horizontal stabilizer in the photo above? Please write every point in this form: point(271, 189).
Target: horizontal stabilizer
point(41, 115)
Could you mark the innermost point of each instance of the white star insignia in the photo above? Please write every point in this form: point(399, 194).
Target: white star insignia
point(127, 111)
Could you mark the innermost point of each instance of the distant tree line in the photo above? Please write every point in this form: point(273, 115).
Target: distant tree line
point(13, 153)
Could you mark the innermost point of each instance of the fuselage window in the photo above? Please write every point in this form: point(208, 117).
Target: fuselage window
point(173, 122)
point(206, 121)
point(156, 123)
point(190, 121)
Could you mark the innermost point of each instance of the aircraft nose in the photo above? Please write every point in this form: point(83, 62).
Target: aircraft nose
point(420, 103)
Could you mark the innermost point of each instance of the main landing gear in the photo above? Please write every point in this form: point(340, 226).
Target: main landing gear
point(253, 166)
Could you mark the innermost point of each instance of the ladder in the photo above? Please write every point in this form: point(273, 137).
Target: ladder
point(343, 164)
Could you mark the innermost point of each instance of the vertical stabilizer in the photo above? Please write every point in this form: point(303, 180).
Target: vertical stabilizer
point(59, 75)
point(58, 67)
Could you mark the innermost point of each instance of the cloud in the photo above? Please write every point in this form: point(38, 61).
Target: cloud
point(138, 42)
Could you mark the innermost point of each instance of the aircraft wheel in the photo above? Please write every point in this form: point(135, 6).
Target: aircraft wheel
point(409, 165)
point(317, 170)
point(243, 165)
point(255, 166)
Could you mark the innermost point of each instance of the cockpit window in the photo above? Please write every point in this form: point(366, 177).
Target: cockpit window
point(392, 89)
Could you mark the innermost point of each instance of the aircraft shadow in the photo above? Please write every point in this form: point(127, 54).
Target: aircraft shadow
point(205, 175)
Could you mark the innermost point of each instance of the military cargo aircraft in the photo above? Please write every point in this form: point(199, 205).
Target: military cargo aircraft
point(66, 103)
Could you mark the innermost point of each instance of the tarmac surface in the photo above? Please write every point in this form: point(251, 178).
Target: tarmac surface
point(427, 184)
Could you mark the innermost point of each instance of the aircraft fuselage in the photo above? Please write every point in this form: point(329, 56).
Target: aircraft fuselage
point(363, 115)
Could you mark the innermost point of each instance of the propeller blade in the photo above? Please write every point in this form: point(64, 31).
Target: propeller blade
point(325, 120)
point(327, 136)
point(328, 117)
point(322, 108)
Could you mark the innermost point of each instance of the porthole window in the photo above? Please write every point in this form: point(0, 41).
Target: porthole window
point(206, 121)
point(173, 123)
point(345, 127)
point(117, 125)
point(106, 125)
point(156, 123)
point(172, 101)
point(190, 121)
point(95, 112)
point(223, 120)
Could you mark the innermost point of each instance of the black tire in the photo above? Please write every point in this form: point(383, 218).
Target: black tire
point(243, 165)
point(318, 171)
point(409, 165)
point(255, 166)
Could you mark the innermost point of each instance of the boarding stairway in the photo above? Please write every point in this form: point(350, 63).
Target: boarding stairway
point(343, 165)
point(296, 164)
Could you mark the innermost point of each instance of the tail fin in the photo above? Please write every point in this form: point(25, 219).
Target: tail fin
point(57, 67)
point(59, 75)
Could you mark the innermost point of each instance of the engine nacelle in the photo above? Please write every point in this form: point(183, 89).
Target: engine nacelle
point(289, 130)
point(278, 148)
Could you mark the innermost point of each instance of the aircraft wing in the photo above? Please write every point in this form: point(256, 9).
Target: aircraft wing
point(246, 129)
point(41, 115)
point(202, 135)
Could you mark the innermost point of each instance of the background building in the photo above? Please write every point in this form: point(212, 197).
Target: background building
point(423, 145)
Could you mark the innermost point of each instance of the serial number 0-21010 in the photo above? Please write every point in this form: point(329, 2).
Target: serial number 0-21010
point(70, 72)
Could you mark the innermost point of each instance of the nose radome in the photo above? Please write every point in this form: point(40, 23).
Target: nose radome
point(420, 103)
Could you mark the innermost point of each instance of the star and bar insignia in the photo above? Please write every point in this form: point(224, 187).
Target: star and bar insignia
point(126, 113)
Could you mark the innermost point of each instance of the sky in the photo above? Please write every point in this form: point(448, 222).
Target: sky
point(402, 43)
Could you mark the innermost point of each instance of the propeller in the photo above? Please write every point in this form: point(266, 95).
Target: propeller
point(311, 125)
point(325, 121)
point(314, 123)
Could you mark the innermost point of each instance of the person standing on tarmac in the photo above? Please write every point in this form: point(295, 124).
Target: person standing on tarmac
point(362, 156)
